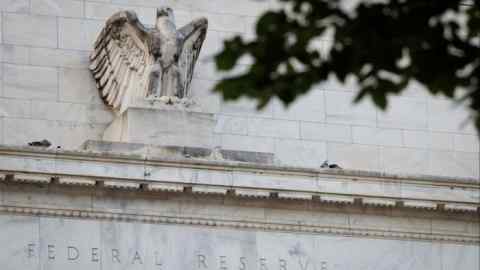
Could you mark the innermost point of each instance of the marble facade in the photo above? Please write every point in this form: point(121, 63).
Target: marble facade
point(217, 185)
point(47, 92)
point(105, 208)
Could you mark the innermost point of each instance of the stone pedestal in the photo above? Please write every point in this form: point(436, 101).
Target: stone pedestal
point(165, 125)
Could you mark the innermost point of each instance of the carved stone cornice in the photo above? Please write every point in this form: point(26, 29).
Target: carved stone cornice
point(141, 171)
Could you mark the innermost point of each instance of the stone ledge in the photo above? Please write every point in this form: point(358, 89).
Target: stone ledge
point(177, 152)
point(135, 157)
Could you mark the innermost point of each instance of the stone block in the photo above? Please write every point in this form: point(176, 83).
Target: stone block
point(403, 112)
point(306, 108)
point(231, 125)
point(300, 153)
point(151, 3)
point(24, 229)
point(71, 242)
point(247, 143)
point(64, 8)
point(73, 134)
point(416, 138)
point(245, 107)
point(32, 30)
point(325, 132)
point(428, 140)
point(67, 135)
point(15, 54)
point(247, 8)
point(22, 131)
point(444, 115)
point(30, 82)
point(354, 156)
point(201, 92)
point(77, 85)
point(59, 111)
point(448, 163)
point(377, 136)
point(99, 114)
point(466, 143)
point(340, 109)
point(455, 252)
point(404, 160)
point(102, 11)
point(205, 68)
point(274, 181)
point(441, 141)
point(13, 108)
point(223, 22)
point(273, 128)
point(78, 34)
point(162, 127)
point(59, 58)
point(17, 6)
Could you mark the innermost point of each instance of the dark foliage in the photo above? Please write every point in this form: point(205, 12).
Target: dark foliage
point(384, 44)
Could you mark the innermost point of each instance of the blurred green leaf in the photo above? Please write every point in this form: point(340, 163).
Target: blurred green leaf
point(383, 44)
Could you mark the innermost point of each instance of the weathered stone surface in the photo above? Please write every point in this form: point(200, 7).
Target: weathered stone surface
point(325, 132)
point(33, 30)
point(19, 6)
point(30, 82)
point(15, 108)
point(134, 245)
point(339, 109)
point(364, 157)
point(162, 127)
point(60, 58)
point(300, 152)
point(376, 136)
point(176, 152)
point(404, 112)
point(273, 128)
point(77, 34)
point(402, 160)
point(15, 54)
point(64, 8)
point(77, 85)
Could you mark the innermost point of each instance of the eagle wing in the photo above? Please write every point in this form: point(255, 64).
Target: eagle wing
point(193, 35)
point(121, 60)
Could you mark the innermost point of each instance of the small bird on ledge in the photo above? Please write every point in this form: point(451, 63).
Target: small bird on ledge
point(43, 143)
point(329, 166)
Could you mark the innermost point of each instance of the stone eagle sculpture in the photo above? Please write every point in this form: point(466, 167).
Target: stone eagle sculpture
point(130, 60)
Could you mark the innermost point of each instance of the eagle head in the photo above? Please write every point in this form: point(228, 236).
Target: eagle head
point(164, 12)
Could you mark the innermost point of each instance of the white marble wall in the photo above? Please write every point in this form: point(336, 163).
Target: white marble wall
point(61, 243)
point(46, 92)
